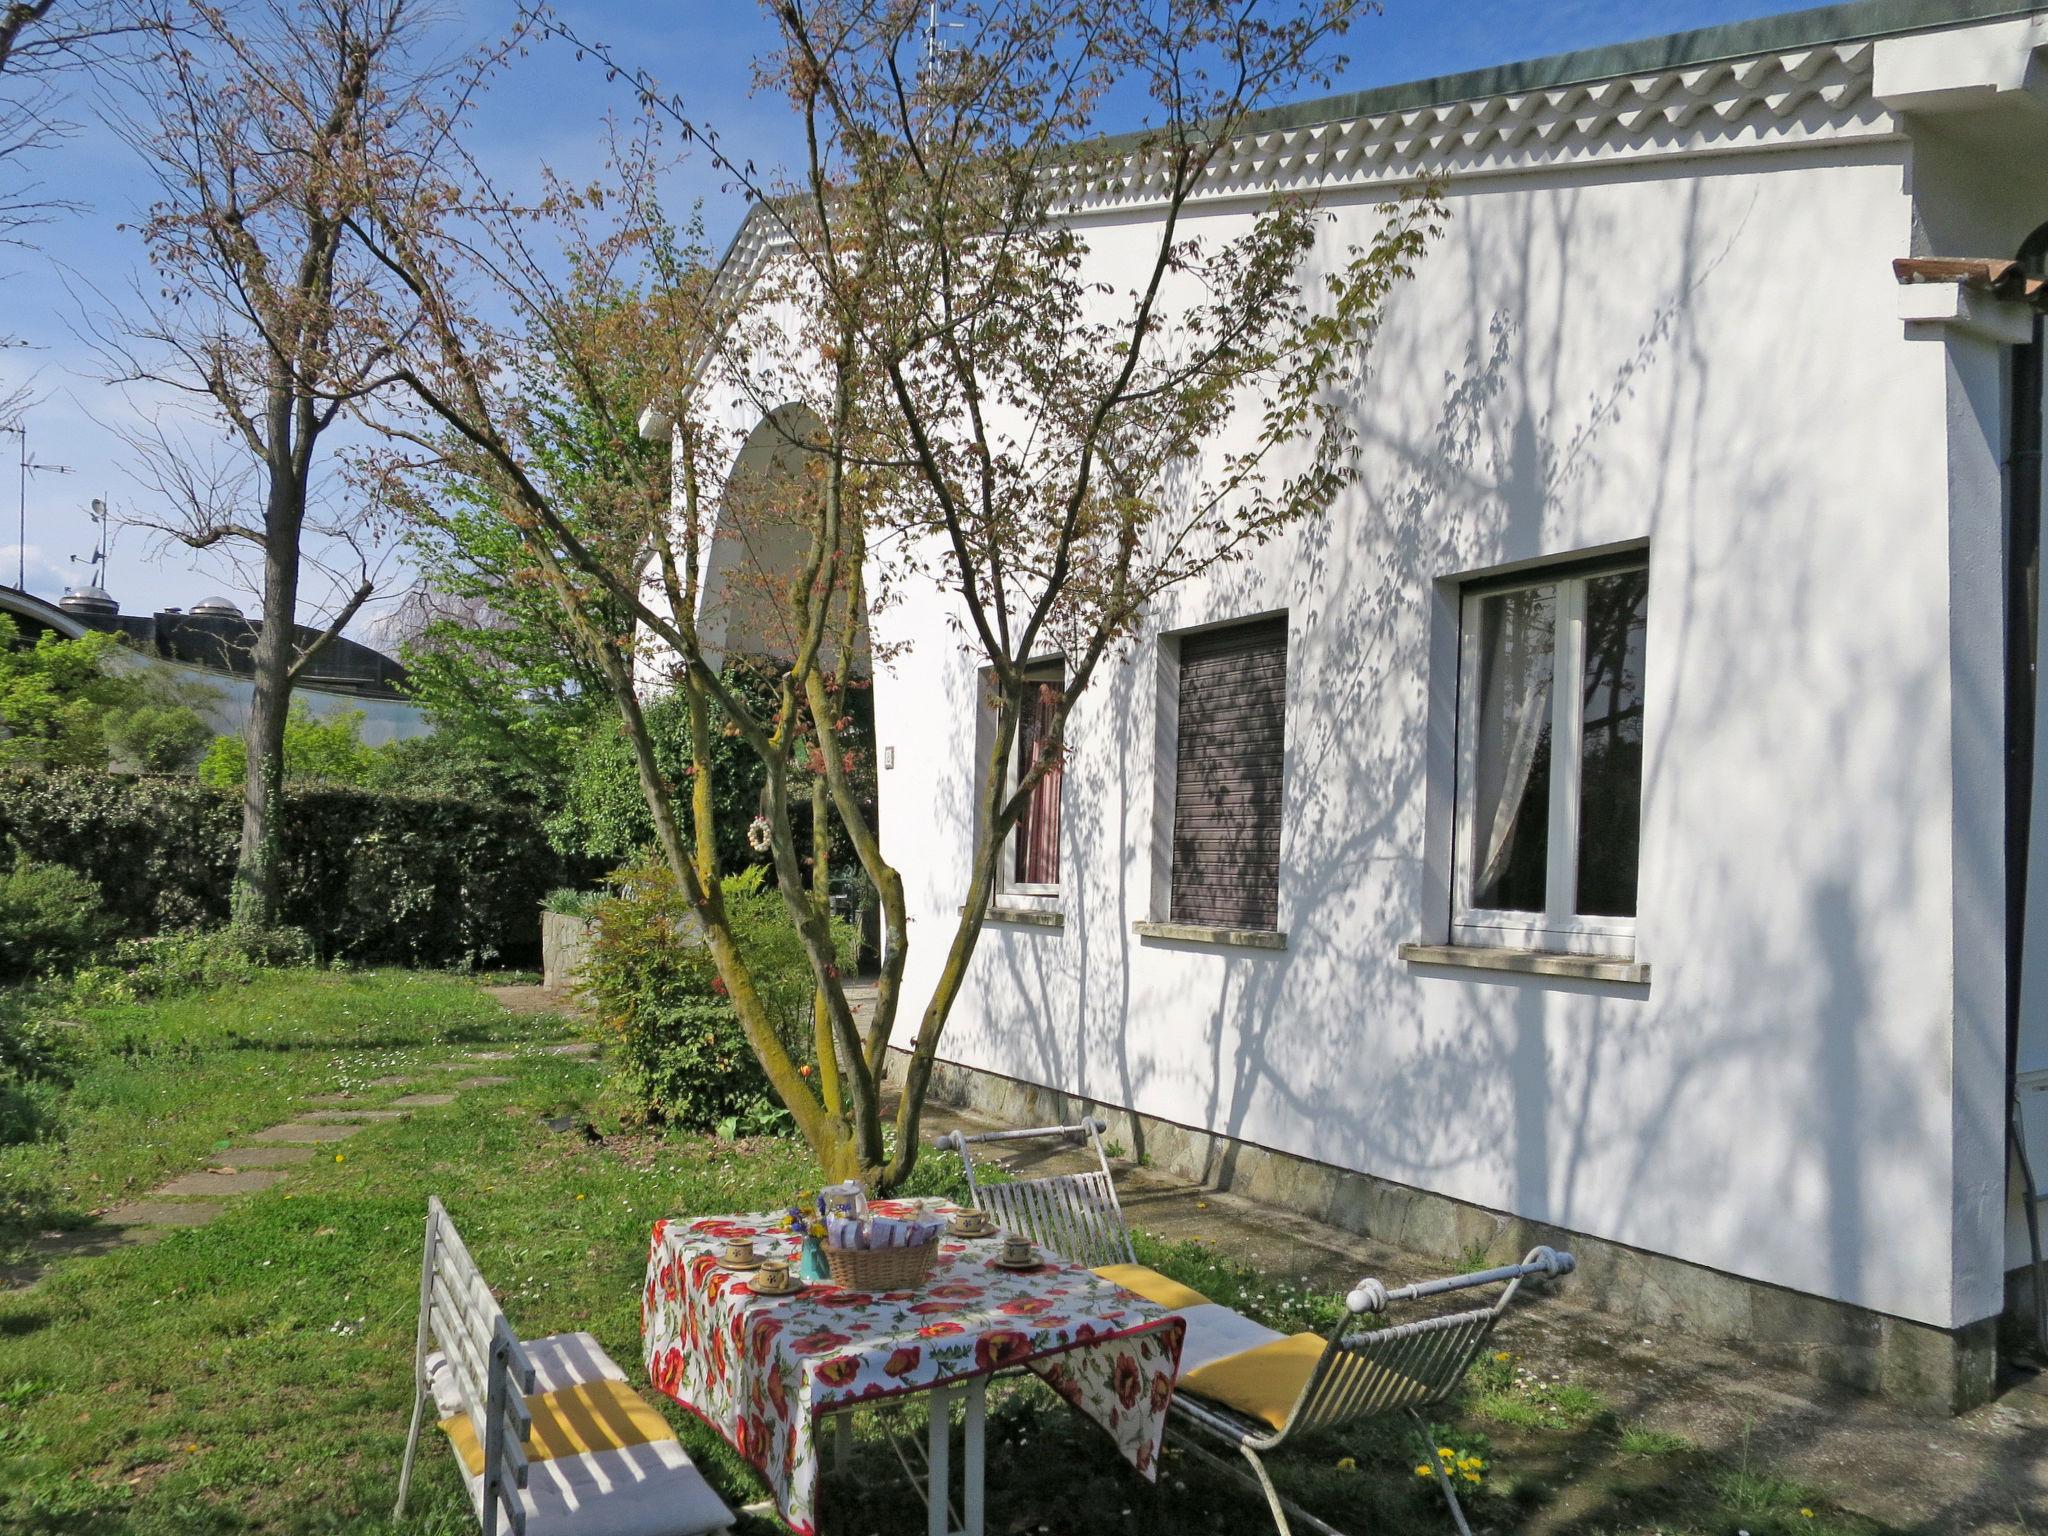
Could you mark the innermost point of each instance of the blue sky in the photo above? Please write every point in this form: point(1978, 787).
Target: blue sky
point(548, 110)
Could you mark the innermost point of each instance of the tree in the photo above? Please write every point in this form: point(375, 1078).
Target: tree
point(979, 414)
point(42, 44)
point(86, 703)
point(267, 128)
point(317, 749)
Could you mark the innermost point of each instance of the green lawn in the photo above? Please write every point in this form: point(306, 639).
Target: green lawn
point(255, 1375)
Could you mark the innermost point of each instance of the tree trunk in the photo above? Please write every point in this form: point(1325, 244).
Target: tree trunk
point(258, 888)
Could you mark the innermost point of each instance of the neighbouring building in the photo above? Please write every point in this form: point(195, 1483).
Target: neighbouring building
point(213, 645)
point(1597, 825)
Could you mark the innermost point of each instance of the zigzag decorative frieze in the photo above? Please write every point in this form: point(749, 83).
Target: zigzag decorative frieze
point(1772, 99)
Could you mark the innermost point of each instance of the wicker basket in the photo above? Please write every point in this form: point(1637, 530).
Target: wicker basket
point(881, 1269)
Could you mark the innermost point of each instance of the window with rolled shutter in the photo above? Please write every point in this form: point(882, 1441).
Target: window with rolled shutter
point(1227, 786)
point(1035, 856)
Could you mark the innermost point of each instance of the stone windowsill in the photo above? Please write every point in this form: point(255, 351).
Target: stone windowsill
point(1529, 962)
point(1202, 933)
point(1031, 917)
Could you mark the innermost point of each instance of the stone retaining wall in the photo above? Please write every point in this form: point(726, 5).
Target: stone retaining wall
point(564, 941)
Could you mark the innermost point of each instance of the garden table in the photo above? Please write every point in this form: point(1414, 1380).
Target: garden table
point(763, 1371)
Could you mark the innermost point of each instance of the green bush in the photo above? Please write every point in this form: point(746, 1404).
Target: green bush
point(368, 877)
point(143, 969)
point(567, 901)
point(680, 1050)
point(50, 919)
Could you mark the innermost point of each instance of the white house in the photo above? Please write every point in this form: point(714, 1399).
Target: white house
point(1598, 822)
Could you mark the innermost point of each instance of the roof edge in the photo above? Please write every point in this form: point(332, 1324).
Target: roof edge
point(1857, 21)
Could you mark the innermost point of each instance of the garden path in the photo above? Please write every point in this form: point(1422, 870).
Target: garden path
point(264, 1158)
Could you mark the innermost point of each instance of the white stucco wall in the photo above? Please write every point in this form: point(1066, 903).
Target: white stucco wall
point(1703, 355)
point(1583, 361)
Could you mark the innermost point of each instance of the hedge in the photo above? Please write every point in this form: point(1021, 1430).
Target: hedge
point(369, 876)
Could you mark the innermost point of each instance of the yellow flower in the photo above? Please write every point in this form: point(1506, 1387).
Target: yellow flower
point(337, 1157)
point(1346, 1464)
point(1425, 1470)
point(1502, 1356)
point(1471, 1477)
point(1807, 1513)
point(579, 1197)
point(1447, 1453)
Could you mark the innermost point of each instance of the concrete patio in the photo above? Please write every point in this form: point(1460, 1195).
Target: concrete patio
point(1986, 1471)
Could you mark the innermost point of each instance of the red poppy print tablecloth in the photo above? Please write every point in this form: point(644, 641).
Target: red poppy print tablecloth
point(761, 1370)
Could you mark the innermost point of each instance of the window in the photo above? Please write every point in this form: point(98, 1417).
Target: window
point(1227, 784)
point(1550, 777)
point(1034, 863)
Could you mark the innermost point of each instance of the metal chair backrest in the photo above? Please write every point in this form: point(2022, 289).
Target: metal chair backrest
point(486, 1362)
point(1074, 1215)
point(1409, 1365)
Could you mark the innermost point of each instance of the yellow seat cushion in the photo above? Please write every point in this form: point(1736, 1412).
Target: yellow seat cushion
point(599, 1415)
point(1263, 1383)
point(1159, 1289)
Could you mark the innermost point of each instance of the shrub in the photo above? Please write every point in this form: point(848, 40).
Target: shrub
point(142, 969)
point(367, 876)
point(567, 901)
point(50, 919)
point(680, 1049)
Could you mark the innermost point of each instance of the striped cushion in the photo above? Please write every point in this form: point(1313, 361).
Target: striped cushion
point(591, 1416)
point(1161, 1290)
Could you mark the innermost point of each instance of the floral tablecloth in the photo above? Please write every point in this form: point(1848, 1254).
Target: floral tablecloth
point(761, 1370)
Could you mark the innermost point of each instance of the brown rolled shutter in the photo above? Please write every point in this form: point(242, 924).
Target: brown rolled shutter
point(1227, 790)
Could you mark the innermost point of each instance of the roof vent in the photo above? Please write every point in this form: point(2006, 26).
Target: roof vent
point(216, 608)
point(88, 599)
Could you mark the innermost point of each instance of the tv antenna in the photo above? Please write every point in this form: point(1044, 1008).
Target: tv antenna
point(29, 466)
point(97, 561)
point(934, 49)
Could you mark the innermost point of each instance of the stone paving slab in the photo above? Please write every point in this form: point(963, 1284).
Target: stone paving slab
point(263, 1157)
point(422, 1101)
point(88, 1241)
point(483, 1082)
point(484, 1056)
point(573, 1048)
point(164, 1213)
point(300, 1132)
point(210, 1183)
point(388, 1082)
point(345, 1116)
point(334, 1098)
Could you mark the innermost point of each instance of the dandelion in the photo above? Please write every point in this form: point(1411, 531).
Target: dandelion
point(1806, 1514)
point(1425, 1470)
point(579, 1197)
point(1471, 1477)
point(1502, 1356)
point(337, 1157)
point(1447, 1453)
point(1347, 1464)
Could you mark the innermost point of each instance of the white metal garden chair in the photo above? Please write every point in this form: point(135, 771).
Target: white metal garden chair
point(551, 1439)
point(1241, 1384)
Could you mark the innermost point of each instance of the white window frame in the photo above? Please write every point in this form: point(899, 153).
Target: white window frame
point(1557, 928)
point(1051, 669)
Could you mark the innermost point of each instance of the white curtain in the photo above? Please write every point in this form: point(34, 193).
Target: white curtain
point(1515, 700)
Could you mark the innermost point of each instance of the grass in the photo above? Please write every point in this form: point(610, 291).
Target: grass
point(1639, 1439)
point(254, 1376)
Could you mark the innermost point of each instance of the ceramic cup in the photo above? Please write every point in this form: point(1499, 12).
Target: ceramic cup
point(972, 1222)
point(774, 1275)
point(1018, 1250)
point(739, 1250)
